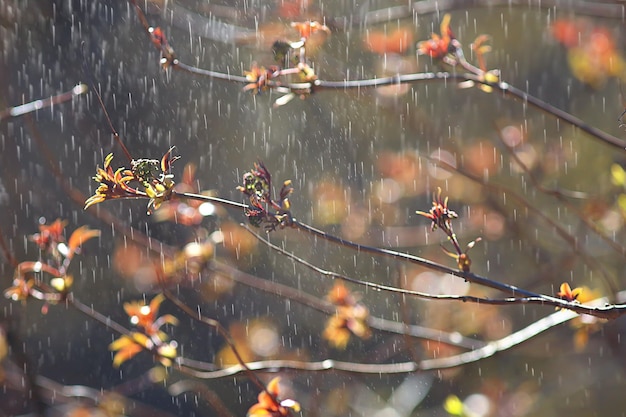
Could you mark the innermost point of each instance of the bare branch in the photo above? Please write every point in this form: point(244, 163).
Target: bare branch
point(490, 349)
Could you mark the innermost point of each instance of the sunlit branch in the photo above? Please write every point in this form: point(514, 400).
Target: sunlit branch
point(43, 103)
point(591, 8)
point(505, 88)
point(412, 330)
point(210, 199)
point(607, 312)
point(387, 288)
point(503, 344)
point(176, 64)
point(56, 393)
point(306, 88)
point(515, 291)
point(490, 349)
point(471, 277)
point(99, 317)
point(325, 365)
point(537, 299)
point(560, 230)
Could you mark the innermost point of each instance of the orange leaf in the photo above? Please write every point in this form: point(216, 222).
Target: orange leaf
point(81, 235)
point(567, 293)
point(273, 387)
point(397, 42)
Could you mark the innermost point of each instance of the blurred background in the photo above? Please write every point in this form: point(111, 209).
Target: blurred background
point(361, 163)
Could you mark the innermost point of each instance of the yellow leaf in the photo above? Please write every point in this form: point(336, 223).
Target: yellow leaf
point(62, 283)
point(618, 175)
point(167, 350)
point(125, 354)
point(453, 405)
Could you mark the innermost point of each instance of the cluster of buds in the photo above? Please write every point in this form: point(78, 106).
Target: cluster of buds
point(441, 217)
point(168, 57)
point(259, 78)
point(153, 175)
point(302, 74)
point(264, 210)
point(447, 49)
point(350, 318)
point(270, 405)
point(568, 294)
point(438, 47)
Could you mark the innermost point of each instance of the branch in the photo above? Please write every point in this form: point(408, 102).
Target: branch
point(608, 311)
point(412, 330)
point(58, 394)
point(506, 89)
point(169, 60)
point(541, 299)
point(43, 103)
point(388, 288)
point(490, 349)
point(560, 230)
point(592, 8)
point(220, 329)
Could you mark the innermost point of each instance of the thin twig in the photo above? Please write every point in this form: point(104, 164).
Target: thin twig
point(591, 8)
point(89, 76)
point(219, 328)
point(560, 230)
point(377, 323)
point(506, 89)
point(609, 311)
point(382, 287)
point(490, 349)
point(317, 85)
point(56, 393)
point(43, 103)
point(536, 299)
